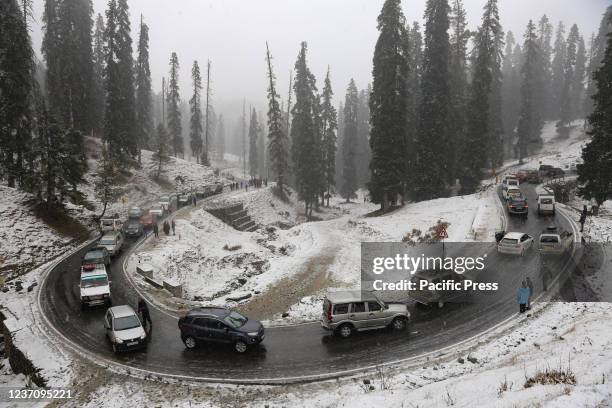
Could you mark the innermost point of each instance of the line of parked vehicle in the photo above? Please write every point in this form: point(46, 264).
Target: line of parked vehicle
point(551, 240)
point(123, 326)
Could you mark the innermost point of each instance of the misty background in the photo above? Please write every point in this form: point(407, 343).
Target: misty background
point(340, 33)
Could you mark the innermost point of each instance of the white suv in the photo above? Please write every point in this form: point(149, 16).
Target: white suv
point(515, 243)
point(546, 204)
point(94, 287)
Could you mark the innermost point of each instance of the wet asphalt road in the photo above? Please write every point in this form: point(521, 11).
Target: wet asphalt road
point(305, 350)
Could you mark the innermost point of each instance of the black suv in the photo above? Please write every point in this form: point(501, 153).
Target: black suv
point(219, 325)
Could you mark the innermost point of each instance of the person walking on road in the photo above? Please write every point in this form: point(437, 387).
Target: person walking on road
point(156, 230)
point(173, 227)
point(583, 217)
point(530, 287)
point(523, 297)
point(143, 311)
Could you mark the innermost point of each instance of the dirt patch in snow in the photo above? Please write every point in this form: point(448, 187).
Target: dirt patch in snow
point(288, 291)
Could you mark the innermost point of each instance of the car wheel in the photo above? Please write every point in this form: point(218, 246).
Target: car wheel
point(399, 324)
point(190, 342)
point(240, 346)
point(345, 330)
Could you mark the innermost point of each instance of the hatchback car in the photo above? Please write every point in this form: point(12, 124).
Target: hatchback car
point(133, 228)
point(345, 312)
point(220, 325)
point(518, 206)
point(96, 255)
point(124, 329)
point(515, 243)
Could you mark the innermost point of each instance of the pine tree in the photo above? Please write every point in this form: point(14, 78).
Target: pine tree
point(413, 101)
point(578, 85)
point(195, 104)
point(388, 108)
point(558, 70)
point(363, 138)
point(434, 143)
point(120, 113)
point(566, 113)
point(484, 141)
point(460, 36)
point(162, 149)
point(98, 97)
point(545, 32)
point(304, 146)
point(209, 118)
point(253, 136)
point(261, 146)
point(220, 145)
point(67, 48)
point(144, 120)
point(597, 50)
point(174, 112)
point(511, 70)
point(17, 88)
point(107, 174)
point(530, 118)
point(329, 125)
point(349, 174)
point(595, 174)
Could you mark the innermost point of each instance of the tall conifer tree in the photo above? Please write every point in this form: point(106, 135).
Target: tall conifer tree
point(144, 119)
point(174, 110)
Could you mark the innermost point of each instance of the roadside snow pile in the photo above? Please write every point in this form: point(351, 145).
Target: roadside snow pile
point(25, 241)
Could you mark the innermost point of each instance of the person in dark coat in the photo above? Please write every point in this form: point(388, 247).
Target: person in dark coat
point(583, 217)
point(166, 228)
point(173, 227)
point(523, 297)
point(156, 230)
point(143, 311)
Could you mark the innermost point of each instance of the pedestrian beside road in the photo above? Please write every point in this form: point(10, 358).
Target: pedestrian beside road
point(530, 287)
point(523, 297)
point(166, 228)
point(143, 311)
point(583, 217)
point(156, 230)
point(173, 227)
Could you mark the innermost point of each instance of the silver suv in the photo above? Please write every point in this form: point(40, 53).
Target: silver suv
point(347, 311)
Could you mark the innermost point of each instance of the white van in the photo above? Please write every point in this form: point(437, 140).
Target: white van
point(110, 224)
point(546, 204)
point(511, 191)
point(112, 241)
point(94, 285)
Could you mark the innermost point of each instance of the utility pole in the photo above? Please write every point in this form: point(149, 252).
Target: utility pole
point(244, 139)
point(207, 108)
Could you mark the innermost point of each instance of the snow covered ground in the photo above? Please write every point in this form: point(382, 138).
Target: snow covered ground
point(572, 337)
point(324, 254)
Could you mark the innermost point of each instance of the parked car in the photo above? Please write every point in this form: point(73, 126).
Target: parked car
point(135, 213)
point(515, 243)
point(133, 228)
point(345, 312)
point(555, 242)
point(511, 191)
point(546, 204)
point(507, 177)
point(220, 325)
point(168, 203)
point(184, 199)
point(124, 329)
point(517, 206)
point(429, 297)
point(96, 255)
point(112, 241)
point(111, 224)
point(94, 286)
point(156, 211)
point(147, 221)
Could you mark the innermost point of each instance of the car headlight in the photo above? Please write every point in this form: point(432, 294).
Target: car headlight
point(143, 336)
point(253, 334)
point(118, 341)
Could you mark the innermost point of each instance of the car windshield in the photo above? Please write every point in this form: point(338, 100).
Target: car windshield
point(133, 225)
point(93, 255)
point(517, 200)
point(94, 281)
point(107, 242)
point(549, 239)
point(107, 223)
point(546, 201)
point(125, 323)
point(235, 320)
point(164, 199)
point(509, 241)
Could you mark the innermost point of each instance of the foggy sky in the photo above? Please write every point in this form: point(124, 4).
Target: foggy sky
point(340, 33)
